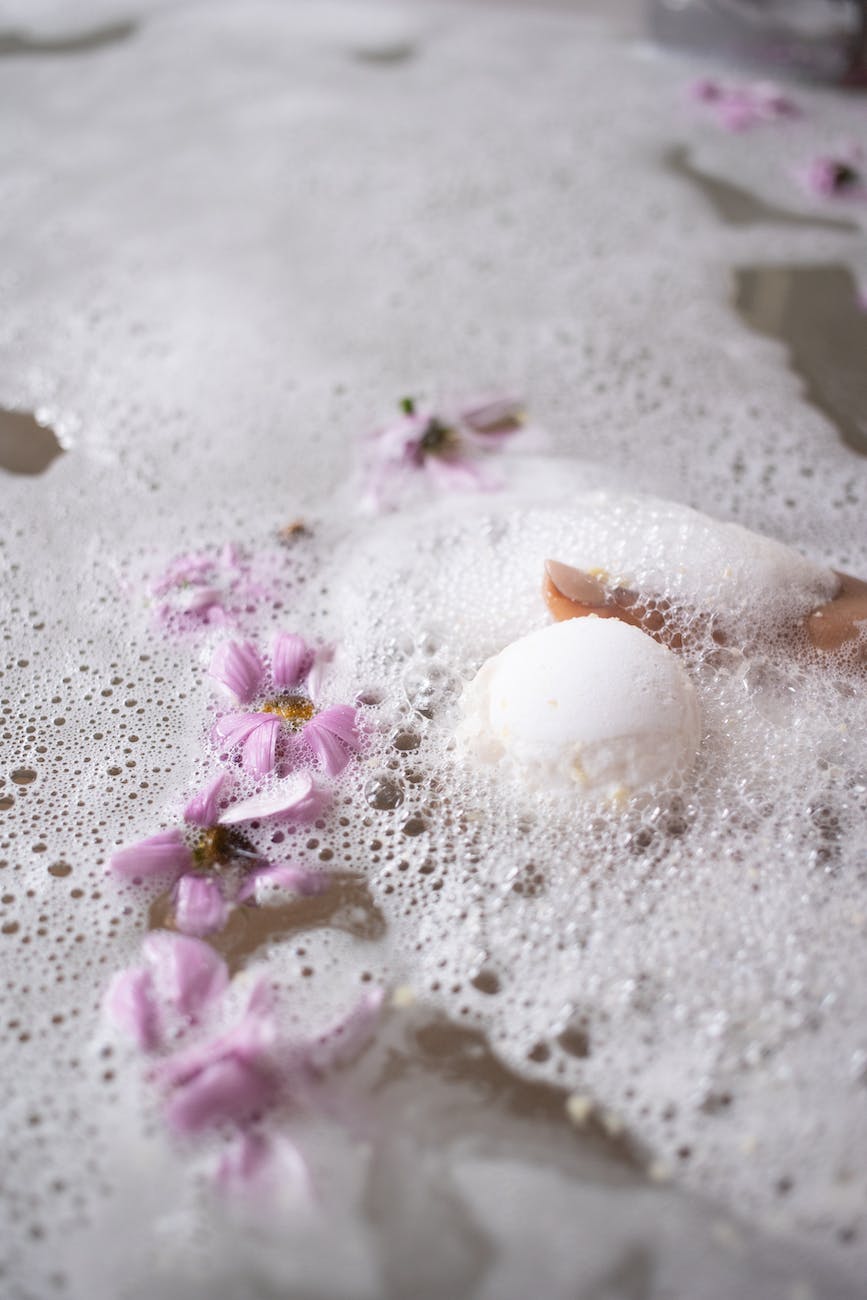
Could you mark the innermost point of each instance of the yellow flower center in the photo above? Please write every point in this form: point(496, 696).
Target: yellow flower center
point(293, 709)
point(214, 845)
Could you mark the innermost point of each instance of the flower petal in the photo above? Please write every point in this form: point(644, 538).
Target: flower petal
point(130, 1005)
point(229, 1090)
point(256, 1165)
point(204, 806)
point(236, 728)
point(270, 884)
point(329, 734)
point(260, 748)
point(492, 418)
point(290, 658)
point(187, 973)
point(301, 798)
point(318, 672)
point(163, 854)
point(345, 1039)
point(200, 908)
point(236, 664)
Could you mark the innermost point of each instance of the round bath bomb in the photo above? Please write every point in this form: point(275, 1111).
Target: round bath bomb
point(590, 705)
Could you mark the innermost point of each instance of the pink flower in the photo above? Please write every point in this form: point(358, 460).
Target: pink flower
point(329, 737)
point(738, 106)
point(205, 589)
point(836, 175)
point(130, 1005)
point(204, 871)
point(444, 447)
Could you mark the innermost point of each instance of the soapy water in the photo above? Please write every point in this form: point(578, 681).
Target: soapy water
point(219, 332)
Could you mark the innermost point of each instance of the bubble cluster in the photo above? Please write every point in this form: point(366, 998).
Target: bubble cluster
point(209, 329)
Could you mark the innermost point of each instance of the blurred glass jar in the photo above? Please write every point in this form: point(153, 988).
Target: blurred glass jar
point(825, 40)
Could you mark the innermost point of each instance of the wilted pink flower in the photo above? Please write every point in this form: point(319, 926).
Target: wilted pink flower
point(836, 175)
point(204, 589)
point(445, 447)
point(201, 869)
point(737, 106)
point(287, 711)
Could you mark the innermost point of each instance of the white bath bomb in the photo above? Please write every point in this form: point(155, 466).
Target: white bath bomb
point(590, 705)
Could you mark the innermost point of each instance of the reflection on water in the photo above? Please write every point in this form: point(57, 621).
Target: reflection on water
point(26, 446)
point(347, 905)
point(737, 206)
point(814, 310)
point(13, 44)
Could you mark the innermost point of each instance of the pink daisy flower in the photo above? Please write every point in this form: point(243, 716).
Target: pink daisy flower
point(203, 858)
point(287, 717)
point(446, 448)
point(738, 106)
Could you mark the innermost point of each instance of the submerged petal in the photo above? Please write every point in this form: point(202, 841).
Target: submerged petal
point(237, 665)
point(265, 1166)
point(345, 1039)
point(130, 1005)
point(260, 748)
point(204, 806)
point(271, 883)
point(318, 671)
point(229, 1090)
point(290, 659)
point(187, 973)
point(200, 908)
point(163, 854)
point(301, 798)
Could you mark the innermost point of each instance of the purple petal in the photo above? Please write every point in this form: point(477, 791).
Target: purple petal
point(260, 748)
point(187, 973)
point(236, 728)
point(301, 798)
point(329, 734)
point(457, 473)
point(229, 1090)
point(251, 1040)
point(203, 808)
point(236, 664)
point(269, 882)
point(318, 671)
point(163, 854)
point(492, 418)
point(256, 1165)
point(130, 1005)
point(290, 659)
point(345, 1039)
point(196, 600)
point(200, 908)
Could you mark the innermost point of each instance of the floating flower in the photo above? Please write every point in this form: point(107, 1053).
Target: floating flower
point(287, 697)
point(839, 175)
point(202, 865)
point(445, 447)
point(738, 106)
point(234, 1076)
point(204, 589)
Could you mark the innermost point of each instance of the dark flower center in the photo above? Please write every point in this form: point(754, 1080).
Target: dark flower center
point(842, 176)
point(219, 846)
point(437, 438)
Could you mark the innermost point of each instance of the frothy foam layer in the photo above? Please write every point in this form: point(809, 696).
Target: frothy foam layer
point(209, 331)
